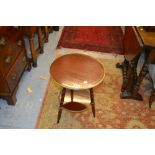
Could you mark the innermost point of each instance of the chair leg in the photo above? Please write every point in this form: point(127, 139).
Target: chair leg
point(46, 33)
point(92, 101)
point(40, 40)
point(61, 104)
point(33, 52)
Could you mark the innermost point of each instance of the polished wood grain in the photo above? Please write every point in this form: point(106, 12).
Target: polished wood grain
point(147, 37)
point(13, 62)
point(77, 71)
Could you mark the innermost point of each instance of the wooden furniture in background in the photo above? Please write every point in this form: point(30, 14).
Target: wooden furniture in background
point(137, 40)
point(74, 72)
point(55, 28)
point(13, 62)
point(29, 32)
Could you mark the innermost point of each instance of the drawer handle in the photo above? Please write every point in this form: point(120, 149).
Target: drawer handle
point(8, 60)
point(2, 41)
point(14, 76)
point(24, 59)
point(19, 43)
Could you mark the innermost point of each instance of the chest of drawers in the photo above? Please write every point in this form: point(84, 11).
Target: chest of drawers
point(13, 62)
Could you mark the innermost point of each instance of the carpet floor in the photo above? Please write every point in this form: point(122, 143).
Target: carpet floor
point(111, 111)
point(106, 39)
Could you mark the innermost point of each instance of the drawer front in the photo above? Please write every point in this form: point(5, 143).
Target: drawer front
point(16, 71)
point(9, 50)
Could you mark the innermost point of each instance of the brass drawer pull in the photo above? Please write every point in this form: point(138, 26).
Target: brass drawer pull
point(8, 60)
point(19, 43)
point(24, 59)
point(2, 41)
point(14, 76)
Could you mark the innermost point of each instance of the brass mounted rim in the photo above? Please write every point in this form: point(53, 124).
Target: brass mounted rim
point(73, 88)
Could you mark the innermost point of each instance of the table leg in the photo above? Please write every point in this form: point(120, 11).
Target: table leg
point(140, 78)
point(92, 101)
point(61, 104)
point(129, 71)
point(72, 93)
point(40, 41)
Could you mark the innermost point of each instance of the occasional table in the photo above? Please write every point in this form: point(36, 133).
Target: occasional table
point(76, 72)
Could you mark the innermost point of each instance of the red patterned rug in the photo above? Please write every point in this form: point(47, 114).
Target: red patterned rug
point(107, 39)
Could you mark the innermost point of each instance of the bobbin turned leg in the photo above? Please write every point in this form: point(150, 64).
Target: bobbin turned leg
point(61, 104)
point(92, 101)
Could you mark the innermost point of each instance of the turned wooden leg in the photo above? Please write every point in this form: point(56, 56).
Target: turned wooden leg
point(140, 78)
point(134, 63)
point(61, 104)
point(46, 33)
point(40, 40)
point(33, 52)
point(124, 68)
point(131, 76)
point(92, 101)
point(126, 72)
point(72, 94)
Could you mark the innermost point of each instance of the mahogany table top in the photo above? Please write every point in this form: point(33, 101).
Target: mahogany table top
point(77, 71)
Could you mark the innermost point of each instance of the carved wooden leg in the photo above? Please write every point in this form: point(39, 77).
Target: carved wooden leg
point(140, 78)
point(134, 63)
point(92, 101)
point(72, 93)
point(40, 40)
point(126, 69)
point(46, 33)
point(131, 77)
point(33, 53)
point(61, 104)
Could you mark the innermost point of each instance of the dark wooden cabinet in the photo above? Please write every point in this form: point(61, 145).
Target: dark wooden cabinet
point(13, 62)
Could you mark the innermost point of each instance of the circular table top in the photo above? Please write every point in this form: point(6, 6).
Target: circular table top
point(77, 71)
